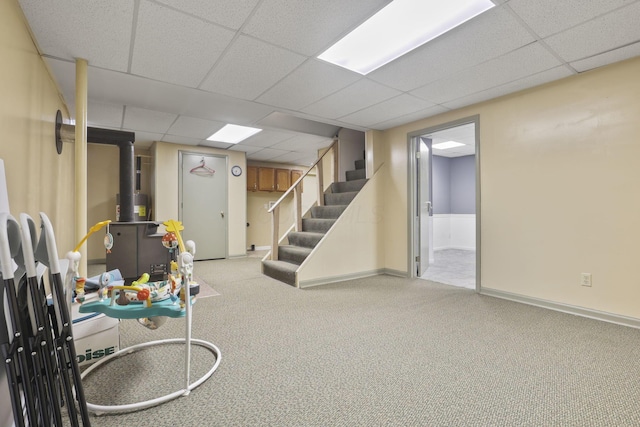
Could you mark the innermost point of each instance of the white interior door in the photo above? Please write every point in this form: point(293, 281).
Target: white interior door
point(424, 208)
point(203, 203)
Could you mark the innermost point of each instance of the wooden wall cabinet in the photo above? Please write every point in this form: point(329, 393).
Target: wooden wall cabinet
point(271, 179)
point(295, 175)
point(252, 178)
point(283, 180)
point(266, 179)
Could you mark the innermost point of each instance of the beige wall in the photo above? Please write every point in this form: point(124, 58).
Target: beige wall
point(38, 179)
point(164, 189)
point(353, 247)
point(559, 188)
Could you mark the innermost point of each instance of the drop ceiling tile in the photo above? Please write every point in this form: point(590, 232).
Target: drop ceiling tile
point(308, 27)
point(453, 153)
point(176, 139)
point(300, 123)
point(173, 47)
point(515, 86)
point(317, 140)
point(211, 106)
point(267, 138)
point(111, 87)
point(229, 13)
point(102, 115)
point(235, 74)
point(136, 91)
point(98, 31)
point(547, 17)
point(194, 128)
point(303, 143)
point(606, 58)
point(530, 59)
point(359, 95)
point(215, 144)
point(291, 157)
point(387, 110)
point(600, 35)
point(147, 120)
point(408, 118)
point(245, 148)
point(144, 139)
point(266, 154)
point(487, 36)
point(310, 82)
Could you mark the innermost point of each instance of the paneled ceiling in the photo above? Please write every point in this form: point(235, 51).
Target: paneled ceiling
point(178, 70)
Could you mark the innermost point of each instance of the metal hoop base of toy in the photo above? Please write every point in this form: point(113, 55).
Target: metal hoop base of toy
point(102, 409)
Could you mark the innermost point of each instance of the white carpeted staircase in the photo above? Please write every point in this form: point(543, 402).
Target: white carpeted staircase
point(301, 243)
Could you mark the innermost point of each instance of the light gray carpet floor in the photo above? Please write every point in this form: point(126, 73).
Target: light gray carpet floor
point(381, 351)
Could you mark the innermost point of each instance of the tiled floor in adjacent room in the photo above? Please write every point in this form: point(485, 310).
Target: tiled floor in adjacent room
point(456, 267)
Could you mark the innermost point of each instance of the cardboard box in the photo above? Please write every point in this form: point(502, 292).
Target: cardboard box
point(95, 335)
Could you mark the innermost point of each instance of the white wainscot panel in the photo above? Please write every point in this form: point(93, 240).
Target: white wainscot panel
point(441, 231)
point(463, 232)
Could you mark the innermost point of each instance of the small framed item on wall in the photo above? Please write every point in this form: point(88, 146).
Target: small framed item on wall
point(236, 171)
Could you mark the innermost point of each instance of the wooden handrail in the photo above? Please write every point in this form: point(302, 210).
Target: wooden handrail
point(299, 180)
point(275, 209)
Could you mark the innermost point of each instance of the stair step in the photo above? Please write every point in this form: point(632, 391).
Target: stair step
point(339, 198)
point(280, 270)
point(327, 211)
point(305, 239)
point(317, 225)
point(293, 254)
point(347, 186)
point(360, 164)
point(356, 174)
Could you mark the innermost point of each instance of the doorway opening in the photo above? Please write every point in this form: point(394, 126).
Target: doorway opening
point(445, 200)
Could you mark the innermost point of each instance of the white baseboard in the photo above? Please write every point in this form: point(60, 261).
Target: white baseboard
point(565, 308)
point(395, 273)
point(359, 275)
point(462, 248)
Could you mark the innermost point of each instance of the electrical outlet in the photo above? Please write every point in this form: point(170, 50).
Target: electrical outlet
point(585, 279)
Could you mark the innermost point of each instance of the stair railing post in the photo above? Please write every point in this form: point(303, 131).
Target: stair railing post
point(320, 177)
point(297, 200)
point(336, 162)
point(275, 225)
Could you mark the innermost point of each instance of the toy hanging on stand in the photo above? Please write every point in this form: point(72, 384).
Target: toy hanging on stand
point(73, 279)
point(151, 303)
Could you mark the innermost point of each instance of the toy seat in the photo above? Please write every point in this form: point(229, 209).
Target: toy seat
point(141, 310)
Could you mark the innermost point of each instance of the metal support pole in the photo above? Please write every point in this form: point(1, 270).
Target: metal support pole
point(81, 160)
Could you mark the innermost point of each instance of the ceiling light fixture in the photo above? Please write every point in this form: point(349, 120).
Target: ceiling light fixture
point(446, 145)
point(232, 134)
point(398, 28)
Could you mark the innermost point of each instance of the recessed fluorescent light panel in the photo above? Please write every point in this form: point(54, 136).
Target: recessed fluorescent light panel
point(446, 145)
point(232, 134)
point(398, 28)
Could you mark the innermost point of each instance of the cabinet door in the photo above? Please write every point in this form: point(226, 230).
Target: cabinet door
point(266, 179)
point(282, 180)
point(252, 178)
point(295, 175)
